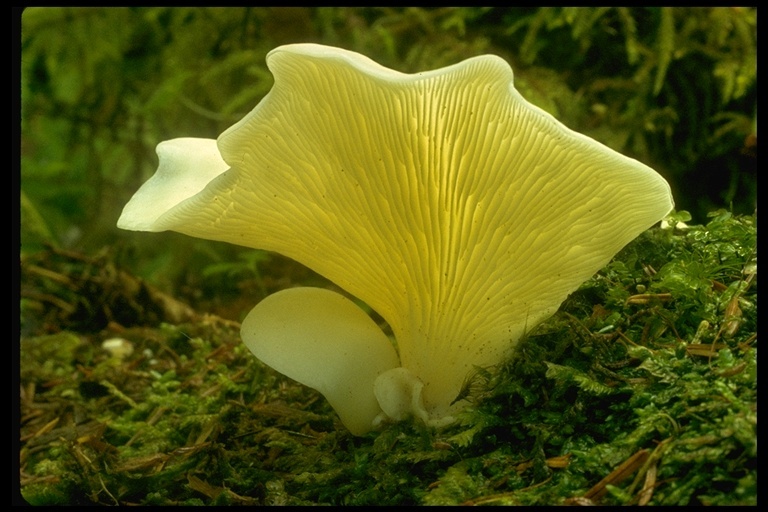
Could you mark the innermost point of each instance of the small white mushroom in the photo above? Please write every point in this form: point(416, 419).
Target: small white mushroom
point(454, 208)
point(118, 348)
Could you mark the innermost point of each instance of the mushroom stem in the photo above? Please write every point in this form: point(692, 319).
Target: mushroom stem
point(400, 395)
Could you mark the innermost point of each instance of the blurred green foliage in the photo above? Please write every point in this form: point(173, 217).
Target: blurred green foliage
point(673, 87)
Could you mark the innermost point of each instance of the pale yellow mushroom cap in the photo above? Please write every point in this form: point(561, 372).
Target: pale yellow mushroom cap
point(326, 342)
point(187, 166)
point(458, 211)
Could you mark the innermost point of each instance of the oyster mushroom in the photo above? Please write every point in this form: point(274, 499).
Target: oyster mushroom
point(454, 208)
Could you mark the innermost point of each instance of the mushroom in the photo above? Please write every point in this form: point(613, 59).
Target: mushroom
point(451, 206)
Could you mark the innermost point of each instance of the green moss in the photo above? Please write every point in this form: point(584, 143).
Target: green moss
point(651, 355)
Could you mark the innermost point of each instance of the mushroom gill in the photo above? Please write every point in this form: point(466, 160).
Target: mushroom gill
point(454, 208)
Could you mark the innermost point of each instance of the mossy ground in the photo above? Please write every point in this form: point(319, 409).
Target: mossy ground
point(641, 390)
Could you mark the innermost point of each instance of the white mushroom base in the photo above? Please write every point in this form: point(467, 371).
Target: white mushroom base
point(399, 393)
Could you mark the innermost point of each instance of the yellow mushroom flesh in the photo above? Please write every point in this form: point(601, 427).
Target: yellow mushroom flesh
point(458, 211)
